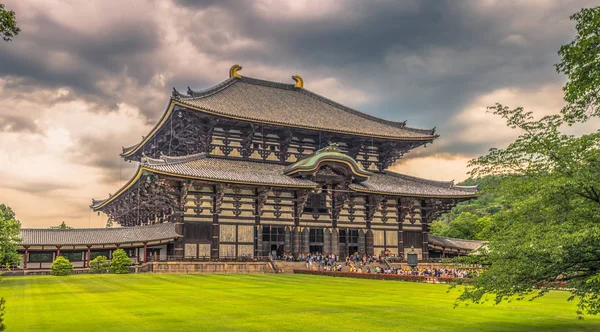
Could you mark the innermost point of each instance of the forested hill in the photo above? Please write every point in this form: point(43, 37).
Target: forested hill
point(471, 219)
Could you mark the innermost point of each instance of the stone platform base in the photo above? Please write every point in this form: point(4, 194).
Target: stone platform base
point(207, 267)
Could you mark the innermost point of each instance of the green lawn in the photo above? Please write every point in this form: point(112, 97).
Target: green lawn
point(265, 303)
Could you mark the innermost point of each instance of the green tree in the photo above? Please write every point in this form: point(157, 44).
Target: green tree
point(63, 225)
point(551, 180)
point(2, 311)
point(10, 228)
point(580, 62)
point(120, 262)
point(472, 219)
point(8, 24)
point(61, 266)
point(99, 265)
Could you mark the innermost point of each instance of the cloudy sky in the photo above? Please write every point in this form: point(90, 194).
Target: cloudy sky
point(85, 78)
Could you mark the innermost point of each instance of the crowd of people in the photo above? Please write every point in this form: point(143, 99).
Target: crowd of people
point(373, 264)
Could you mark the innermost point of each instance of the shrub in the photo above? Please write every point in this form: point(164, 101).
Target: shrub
point(120, 262)
point(61, 266)
point(99, 264)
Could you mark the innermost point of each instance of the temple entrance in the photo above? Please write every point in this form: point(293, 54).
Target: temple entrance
point(352, 250)
point(348, 242)
point(316, 240)
point(276, 250)
point(316, 249)
point(273, 241)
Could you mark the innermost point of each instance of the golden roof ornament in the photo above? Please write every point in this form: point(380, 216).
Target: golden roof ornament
point(299, 81)
point(233, 71)
point(332, 147)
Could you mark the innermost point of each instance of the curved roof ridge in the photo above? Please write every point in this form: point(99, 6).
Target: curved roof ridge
point(92, 228)
point(467, 188)
point(191, 94)
point(284, 86)
point(165, 159)
point(457, 239)
point(446, 184)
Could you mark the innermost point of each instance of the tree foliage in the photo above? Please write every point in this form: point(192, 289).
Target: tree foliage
point(99, 265)
point(120, 262)
point(2, 311)
point(9, 237)
point(551, 181)
point(8, 24)
point(61, 266)
point(580, 62)
point(471, 219)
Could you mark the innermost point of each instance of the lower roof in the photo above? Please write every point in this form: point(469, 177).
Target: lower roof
point(448, 242)
point(95, 236)
point(208, 168)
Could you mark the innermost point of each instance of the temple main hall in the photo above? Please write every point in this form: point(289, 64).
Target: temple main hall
point(254, 168)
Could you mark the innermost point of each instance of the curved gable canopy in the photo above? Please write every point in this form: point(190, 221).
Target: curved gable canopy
point(331, 154)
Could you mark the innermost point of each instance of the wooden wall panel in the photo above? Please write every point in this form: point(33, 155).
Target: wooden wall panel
point(391, 239)
point(227, 233)
point(204, 250)
point(247, 250)
point(191, 250)
point(245, 233)
point(378, 238)
point(227, 250)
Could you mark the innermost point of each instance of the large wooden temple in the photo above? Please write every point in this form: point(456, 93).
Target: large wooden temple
point(251, 167)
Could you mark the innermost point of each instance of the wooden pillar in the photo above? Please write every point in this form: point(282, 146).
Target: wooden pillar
point(215, 224)
point(369, 246)
point(401, 239)
point(443, 252)
point(425, 228)
point(146, 252)
point(306, 240)
point(296, 243)
point(88, 256)
point(57, 251)
point(258, 244)
point(287, 248)
point(335, 246)
point(259, 240)
point(26, 258)
point(361, 242)
point(326, 241)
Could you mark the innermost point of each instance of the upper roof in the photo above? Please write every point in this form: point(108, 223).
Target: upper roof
point(204, 167)
point(289, 105)
point(284, 104)
point(91, 236)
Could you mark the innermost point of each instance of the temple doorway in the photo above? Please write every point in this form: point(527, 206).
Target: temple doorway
point(276, 250)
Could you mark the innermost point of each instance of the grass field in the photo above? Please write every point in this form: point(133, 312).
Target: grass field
point(265, 303)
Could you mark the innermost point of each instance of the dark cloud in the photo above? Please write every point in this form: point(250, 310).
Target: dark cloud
point(423, 60)
point(39, 188)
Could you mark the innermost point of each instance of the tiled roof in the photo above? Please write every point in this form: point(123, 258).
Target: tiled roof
point(395, 183)
point(206, 167)
point(90, 236)
point(201, 165)
point(449, 242)
point(210, 168)
point(278, 103)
